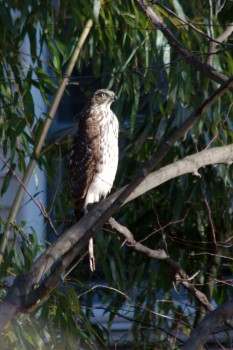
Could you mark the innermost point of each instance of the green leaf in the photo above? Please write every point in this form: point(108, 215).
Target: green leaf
point(7, 179)
point(29, 107)
point(6, 264)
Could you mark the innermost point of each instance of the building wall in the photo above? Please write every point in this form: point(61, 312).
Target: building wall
point(28, 211)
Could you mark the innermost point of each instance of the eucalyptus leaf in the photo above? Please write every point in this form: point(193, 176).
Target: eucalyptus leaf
point(154, 70)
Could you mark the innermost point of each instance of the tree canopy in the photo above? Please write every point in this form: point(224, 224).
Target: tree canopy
point(164, 261)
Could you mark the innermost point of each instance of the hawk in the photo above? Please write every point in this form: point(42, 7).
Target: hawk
point(94, 155)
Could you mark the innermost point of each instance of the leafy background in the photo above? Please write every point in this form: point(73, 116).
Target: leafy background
point(157, 90)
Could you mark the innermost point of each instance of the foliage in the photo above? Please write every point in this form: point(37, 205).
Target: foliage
point(157, 91)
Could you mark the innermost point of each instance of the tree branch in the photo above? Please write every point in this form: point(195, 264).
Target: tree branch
point(209, 71)
point(20, 296)
point(217, 41)
point(189, 164)
point(16, 299)
point(130, 241)
point(180, 275)
point(221, 314)
point(222, 37)
point(209, 58)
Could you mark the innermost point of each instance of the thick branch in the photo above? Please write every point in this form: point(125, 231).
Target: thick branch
point(20, 297)
point(98, 216)
point(17, 298)
point(228, 31)
point(90, 222)
point(208, 70)
point(221, 314)
point(189, 164)
point(54, 279)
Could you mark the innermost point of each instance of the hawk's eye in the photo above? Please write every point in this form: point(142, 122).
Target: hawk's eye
point(101, 94)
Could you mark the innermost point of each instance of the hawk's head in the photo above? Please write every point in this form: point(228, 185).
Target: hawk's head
point(103, 97)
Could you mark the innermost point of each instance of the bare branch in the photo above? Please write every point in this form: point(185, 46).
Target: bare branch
point(225, 34)
point(179, 274)
point(221, 314)
point(212, 228)
point(89, 224)
point(209, 59)
point(27, 290)
point(189, 24)
point(209, 71)
point(100, 214)
point(130, 241)
point(189, 164)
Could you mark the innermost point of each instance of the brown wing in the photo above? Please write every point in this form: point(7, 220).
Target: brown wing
point(84, 157)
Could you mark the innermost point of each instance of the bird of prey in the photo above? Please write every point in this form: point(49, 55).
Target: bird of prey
point(94, 155)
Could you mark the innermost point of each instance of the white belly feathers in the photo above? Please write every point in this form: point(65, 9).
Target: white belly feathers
point(107, 165)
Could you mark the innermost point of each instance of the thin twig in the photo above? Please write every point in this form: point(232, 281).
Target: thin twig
point(190, 24)
point(208, 70)
point(211, 222)
point(209, 59)
point(179, 274)
point(38, 204)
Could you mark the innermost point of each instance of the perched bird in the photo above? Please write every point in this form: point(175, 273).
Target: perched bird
point(94, 155)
